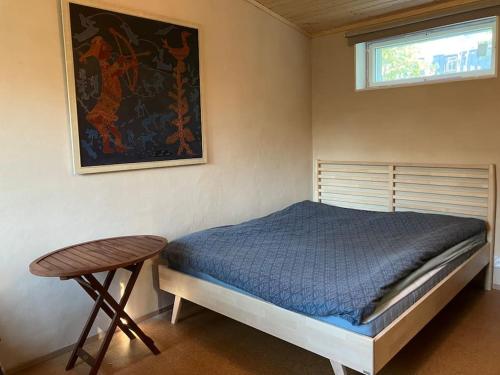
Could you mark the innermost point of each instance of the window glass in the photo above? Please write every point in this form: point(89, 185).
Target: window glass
point(461, 50)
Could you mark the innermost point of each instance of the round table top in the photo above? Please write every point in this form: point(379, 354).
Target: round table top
point(98, 256)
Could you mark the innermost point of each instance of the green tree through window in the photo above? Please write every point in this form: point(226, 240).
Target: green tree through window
point(400, 62)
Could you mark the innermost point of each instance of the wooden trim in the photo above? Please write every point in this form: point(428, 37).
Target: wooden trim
point(275, 15)
point(349, 192)
point(442, 192)
point(429, 22)
point(344, 170)
point(436, 182)
point(353, 178)
point(445, 174)
point(344, 184)
point(441, 8)
point(438, 200)
point(439, 209)
point(391, 194)
point(406, 164)
point(432, 10)
point(317, 181)
point(355, 201)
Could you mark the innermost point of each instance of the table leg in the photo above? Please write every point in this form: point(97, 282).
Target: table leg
point(115, 310)
point(119, 309)
point(93, 287)
point(90, 321)
point(105, 307)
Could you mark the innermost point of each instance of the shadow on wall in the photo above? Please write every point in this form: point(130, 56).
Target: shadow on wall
point(164, 298)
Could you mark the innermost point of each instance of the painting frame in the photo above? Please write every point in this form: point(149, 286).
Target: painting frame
point(72, 90)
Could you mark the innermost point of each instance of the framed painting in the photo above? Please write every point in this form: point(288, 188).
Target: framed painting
point(134, 89)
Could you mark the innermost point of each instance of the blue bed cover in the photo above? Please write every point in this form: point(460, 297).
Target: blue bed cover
point(320, 260)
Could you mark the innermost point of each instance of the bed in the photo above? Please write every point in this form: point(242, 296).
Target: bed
point(412, 235)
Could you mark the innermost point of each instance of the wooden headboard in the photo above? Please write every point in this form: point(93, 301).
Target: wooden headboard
point(460, 190)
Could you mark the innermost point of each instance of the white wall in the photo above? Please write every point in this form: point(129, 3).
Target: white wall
point(454, 122)
point(257, 93)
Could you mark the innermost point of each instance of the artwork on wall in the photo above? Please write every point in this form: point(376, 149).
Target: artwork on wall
point(134, 89)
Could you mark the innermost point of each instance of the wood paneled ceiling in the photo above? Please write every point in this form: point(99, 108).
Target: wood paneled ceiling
point(316, 17)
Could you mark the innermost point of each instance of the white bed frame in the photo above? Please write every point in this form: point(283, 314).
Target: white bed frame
point(461, 190)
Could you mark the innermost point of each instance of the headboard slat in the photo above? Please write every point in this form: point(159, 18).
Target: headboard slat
point(438, 191)
point(442, 182)
point(438, 200)
point(460, 190)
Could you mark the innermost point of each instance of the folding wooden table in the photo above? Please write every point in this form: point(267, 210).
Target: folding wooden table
point(80, 262)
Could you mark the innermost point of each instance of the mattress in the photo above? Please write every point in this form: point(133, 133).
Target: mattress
point(398, 299)
point(321, 260)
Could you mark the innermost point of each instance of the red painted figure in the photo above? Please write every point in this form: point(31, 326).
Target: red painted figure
point(103, 115)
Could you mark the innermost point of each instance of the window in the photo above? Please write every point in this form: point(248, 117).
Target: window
point(464, 50)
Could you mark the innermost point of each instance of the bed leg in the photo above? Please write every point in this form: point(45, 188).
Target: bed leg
point(176, 310)
point(338, 368)
point(488, 277)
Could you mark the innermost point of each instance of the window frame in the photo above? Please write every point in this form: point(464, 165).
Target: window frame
point(365, 56)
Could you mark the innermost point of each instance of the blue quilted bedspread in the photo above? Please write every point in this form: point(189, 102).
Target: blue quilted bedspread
point(321, 260)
